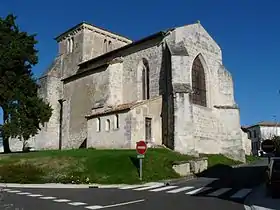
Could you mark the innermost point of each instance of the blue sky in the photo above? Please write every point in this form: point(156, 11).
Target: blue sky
point(247, 31)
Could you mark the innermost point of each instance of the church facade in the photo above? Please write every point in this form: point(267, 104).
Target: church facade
point(170, 88)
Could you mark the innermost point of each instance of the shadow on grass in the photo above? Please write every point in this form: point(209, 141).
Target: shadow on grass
point(135, 162)
point(17, 152)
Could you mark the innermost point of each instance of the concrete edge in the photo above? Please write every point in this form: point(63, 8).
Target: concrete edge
point(179, 180)
point(70, 186)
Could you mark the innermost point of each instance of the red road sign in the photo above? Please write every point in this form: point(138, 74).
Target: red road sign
point(141, 147)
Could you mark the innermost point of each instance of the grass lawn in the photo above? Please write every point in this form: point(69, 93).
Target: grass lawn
point(252, 158)
point(92, 166)
point(214, 159)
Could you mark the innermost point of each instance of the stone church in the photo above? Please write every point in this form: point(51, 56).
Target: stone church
point(170, 88)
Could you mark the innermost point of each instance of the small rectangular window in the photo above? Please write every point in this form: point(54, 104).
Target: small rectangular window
point(98, 125)
point(148, 129)
point(255, 134)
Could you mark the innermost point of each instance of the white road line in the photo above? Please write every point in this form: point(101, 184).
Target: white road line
point(34, 195)
point(77, 204)
point(23, 193)
point(94, 207)
point(149, 187)
point(13, 191)
point(219, 192)
point(180, 189)
point(61, 200)
point(163, 188)
point(123, 204)
point(6, 190)
point(241, 193)
point(48, 198)
point(202, 189)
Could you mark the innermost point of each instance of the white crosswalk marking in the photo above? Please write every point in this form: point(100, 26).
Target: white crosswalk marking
point(201, 189)
point(94, 207)
point(23, 193)
point(180, 189)
point(34, 195)
point(62, 200)
point(149, 187)
point(241, 193)
point(219, 192)
point(13, 191)
point(77, 204)
point(48, 198)
point(163, 188)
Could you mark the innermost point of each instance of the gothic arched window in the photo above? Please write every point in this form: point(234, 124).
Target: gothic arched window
point(198, 83)
point(145, 80)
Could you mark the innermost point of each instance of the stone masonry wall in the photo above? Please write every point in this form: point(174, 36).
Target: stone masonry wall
point(80, 96)
point(211, 133)
point(93, 44)
point(133, 64)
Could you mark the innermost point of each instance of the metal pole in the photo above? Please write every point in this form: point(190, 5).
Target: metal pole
point(140, 170)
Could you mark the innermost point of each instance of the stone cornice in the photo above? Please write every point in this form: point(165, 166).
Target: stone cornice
point(226, 106)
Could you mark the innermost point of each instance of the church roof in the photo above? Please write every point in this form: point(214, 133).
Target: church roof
point(59, 37)
point(120, 108)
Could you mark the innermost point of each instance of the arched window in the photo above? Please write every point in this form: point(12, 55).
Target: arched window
point(72, 44)
point(105, 46)
point(109, 45)
point(198, 83)
point(98, 125)
point(116, 121)
point(107, 125)
point(68, 45)
point(145, 80)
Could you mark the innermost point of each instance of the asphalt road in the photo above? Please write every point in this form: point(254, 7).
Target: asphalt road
point(221, 187)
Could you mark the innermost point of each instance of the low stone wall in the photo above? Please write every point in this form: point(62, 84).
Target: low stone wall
point(186, 168)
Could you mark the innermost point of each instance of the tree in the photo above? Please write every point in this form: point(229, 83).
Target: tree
point(276, 140)
point(23, 111)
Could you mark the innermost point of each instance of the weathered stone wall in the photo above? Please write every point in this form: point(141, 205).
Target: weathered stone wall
point(151, 108)
point(80, 95)
point(131, 127)
point(72, 59)
point(94, 43)
point(214, 130)
point(115, 83)
point(132, 74)
point(113, 138)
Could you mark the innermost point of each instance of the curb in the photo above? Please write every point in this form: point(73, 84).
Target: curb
point(71, 186)
point(179, 180)
point(48, 185)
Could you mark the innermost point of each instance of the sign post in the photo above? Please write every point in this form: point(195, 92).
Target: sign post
point(141, 148)
point(268, 146)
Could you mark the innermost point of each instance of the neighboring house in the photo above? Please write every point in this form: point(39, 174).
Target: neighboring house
point(262, 131)
point(170, 88)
